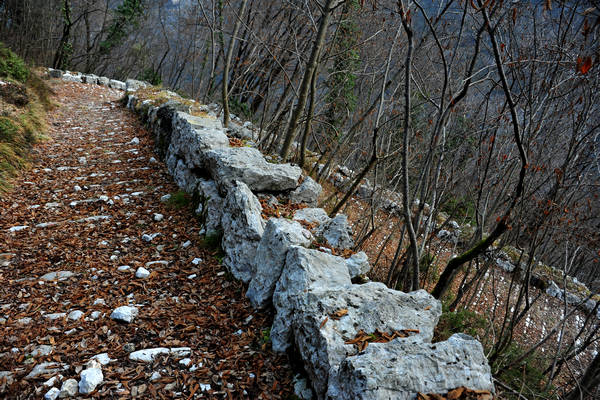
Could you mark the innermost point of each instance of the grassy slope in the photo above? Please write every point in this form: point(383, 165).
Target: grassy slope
point(24, 100)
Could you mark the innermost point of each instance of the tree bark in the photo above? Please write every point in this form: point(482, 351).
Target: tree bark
point(225, 85)
point(292, 130)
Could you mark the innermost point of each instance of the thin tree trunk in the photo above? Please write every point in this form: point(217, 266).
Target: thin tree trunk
point(290, 134)
point(225, 85)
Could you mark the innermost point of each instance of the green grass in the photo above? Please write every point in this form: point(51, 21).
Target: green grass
point(462, 321)
point(22, 123)
point(179, 200)
point(12, 66)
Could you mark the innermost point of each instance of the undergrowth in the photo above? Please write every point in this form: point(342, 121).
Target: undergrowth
point(24, 100)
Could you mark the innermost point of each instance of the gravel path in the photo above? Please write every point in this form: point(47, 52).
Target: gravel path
point(74, 234)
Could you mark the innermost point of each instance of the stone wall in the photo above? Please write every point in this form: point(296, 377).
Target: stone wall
point(357, 341)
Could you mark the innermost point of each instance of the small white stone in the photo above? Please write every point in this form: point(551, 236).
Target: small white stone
point(147, 355)
point(103, 358)
point(186, 244)
point(148, 238)
point(205, 387)
point(99, 302)
point(186, 362)
point(124, 314)
point(124, 268)
point(192, 276)
point(95, 315)
point(135, 140)
point(82, 160)
point(165, 198)
point(77, 188)
point(70, 331)
point(153, 160)
point(51, 382)
point(75, 315)
point(90, 378)
point(196, 261)
point(42, 350)
point(155, 376)
point(158, 217)
point(142, 273)
point(52, 394)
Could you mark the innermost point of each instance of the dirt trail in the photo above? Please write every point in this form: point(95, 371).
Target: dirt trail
point(93, 190)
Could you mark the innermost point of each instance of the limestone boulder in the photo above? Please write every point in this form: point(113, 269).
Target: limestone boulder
point(369, 308)
point(72, 78)
point(210, 206)
point(243, 228)
point(401, 368)
point(132, 85)
point(308, 192)
point(115, 84)
point(279, 235)
point(90, 79)
point(247, 164)
point(183, 176)
point(358, 264)
point(305, 271)
point(193, 136)
point(316, 216)
point(337, 232)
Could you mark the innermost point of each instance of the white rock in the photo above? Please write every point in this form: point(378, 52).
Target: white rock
point(305, 270)
point(54, 316)
point(149, 237)
point(308, 192)
point(42, 350)
point(82, 160)
point(337, 232)
point(278, 236)
point(401, 368)
point(68, 388)
point(155, 376)
point(90, 379)
point(60, 275)
point(77, 188)
point(312, 215)
point(246, 164)
point(147, 355)
point(46, 368)
point(358, 264)
point(243, 227)
point(186, 362)
point(165, 198)
point(196, 261)
point(52, 394)
point(95, 315)
point(52, 381)
point(75, 315)
point(158, 217)
point(124, 314)
point(124, 268)
point(186, 244)
point(18, 228)
point(142, 273)
point(102, 358)
point(99, 302)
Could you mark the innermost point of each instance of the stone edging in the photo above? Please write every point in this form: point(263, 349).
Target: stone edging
point(356, 341)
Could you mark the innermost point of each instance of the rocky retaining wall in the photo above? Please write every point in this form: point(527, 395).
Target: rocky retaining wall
point(356, 341)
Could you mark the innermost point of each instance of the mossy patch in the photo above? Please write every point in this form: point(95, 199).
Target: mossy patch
point(12, 66)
